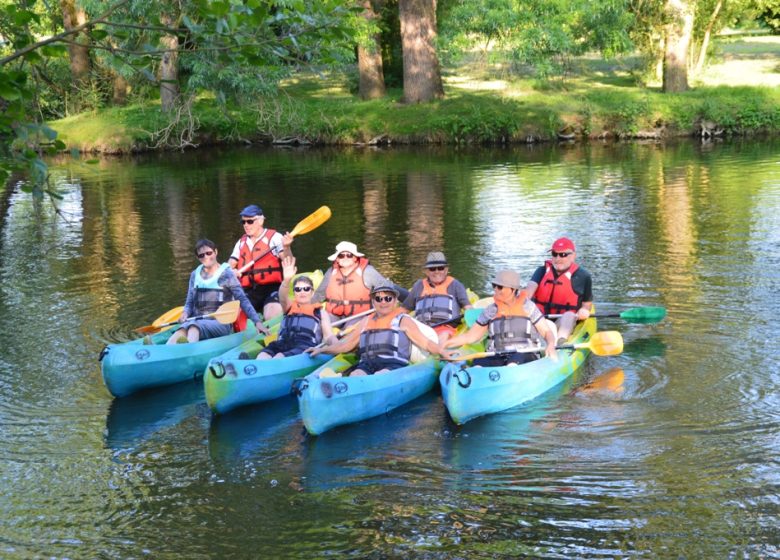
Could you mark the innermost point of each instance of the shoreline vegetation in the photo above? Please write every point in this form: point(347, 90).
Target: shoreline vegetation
point(737, 95)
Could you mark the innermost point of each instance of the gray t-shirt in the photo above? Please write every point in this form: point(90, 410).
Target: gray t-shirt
point(456, 289)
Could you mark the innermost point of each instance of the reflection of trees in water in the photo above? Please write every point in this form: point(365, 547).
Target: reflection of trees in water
point(425, 214)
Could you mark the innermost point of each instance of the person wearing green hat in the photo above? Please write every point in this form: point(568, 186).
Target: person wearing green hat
point(513, 325)
point(260, 252)
point(384, 339)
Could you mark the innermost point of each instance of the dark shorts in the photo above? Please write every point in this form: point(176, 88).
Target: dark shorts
point(275, 347)
point(504, 359)
point(209, 328)
point(262, 294)
point(373, 366)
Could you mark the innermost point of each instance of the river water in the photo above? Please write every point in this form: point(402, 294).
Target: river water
point(669, 450)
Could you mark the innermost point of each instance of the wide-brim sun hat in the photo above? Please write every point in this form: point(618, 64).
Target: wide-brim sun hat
point(345, 247)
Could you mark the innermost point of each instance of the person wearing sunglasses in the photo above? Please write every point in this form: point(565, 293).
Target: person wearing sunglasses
point(211, 285)
point(384, 339)
point(304, 324)
point(438, 299)
point(347, 285)
point(513, 325)
point(562, 287)
point(264, 248)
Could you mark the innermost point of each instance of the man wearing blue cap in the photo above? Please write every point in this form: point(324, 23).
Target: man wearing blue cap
point(257, 261)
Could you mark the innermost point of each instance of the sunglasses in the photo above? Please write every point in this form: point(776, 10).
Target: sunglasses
point(498, 287)
point(345, 256)
point(386, 299)
point(245, 222)
point(437, 268)
point(302, 289)
point(205, 254)
point(562, 255)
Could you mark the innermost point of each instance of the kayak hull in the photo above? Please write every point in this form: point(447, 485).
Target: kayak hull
point(230, 382)
point(133, 366)
point(334, 401)
point(470, 392)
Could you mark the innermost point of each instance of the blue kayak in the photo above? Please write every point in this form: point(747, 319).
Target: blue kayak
point(469, 391)
point(334, 401)
point(132, 366)
point(232, 380)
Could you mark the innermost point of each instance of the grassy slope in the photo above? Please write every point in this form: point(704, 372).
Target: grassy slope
point(738, 93)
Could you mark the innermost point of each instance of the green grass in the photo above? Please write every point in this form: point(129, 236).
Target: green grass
point(485, 102)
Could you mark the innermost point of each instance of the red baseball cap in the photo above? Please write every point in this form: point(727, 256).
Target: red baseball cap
point(563, 244)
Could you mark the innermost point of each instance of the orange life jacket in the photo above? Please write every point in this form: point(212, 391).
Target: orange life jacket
point(348, 295)
point(267, 269)
point(556, 294)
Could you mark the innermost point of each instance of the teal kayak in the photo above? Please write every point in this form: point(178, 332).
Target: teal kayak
point(334, 401)
point(132, 366)
point(469, 391)
point(236, 379)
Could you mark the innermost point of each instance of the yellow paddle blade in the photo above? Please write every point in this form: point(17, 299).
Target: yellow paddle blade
point(226, 313)
point(604, 343)
point(312, 221)
point(168, 316)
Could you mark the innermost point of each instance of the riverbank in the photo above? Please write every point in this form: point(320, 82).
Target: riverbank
point(483, 104)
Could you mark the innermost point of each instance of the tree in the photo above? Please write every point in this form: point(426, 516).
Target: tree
point(422, 75)
point(677, 33)
point(78, 51)
point(369, 54)
point(169, 66)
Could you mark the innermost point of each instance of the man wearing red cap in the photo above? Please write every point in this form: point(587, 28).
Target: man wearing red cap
point(562, 287)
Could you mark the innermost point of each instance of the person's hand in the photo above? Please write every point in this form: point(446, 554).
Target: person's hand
point(449, 354)
point(288, 267)
point(582, 314)
point(287, 239)
point(314, 351)
point(262, 328)
point(183, 317)
point(551, 352)
point(332, 339)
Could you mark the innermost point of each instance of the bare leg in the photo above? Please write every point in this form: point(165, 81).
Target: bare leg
point(358, 373)
point(193, 334)
point(271, 310)
point(264, 356)
point(566, 325)
point(175, 337)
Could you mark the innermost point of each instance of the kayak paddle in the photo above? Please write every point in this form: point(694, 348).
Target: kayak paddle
point(643, 315)
point(309, 223)
point(604, 343)
point(225, 314)
point(168, 316)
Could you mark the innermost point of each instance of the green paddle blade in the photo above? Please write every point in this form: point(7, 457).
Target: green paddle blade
point(644, 315)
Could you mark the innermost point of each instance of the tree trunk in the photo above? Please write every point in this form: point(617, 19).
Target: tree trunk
point(78, 52)
point(120, 90)
point(422, 76)
point(705, 42)
point(169, 68)
point(678, 38)
point(372, 80)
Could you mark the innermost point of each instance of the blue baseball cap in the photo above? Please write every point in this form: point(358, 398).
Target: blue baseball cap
point(252, 210)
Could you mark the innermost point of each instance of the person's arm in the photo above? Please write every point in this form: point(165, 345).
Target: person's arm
point(411, 329)
point(233, 259)
point(319, 293)
point(327, 329)
point(288, 269)
point(229, 281)
point(411, 300)
point(287, 241)
point(460, 294)
point(587, 299)
point(533, 283)
point(475, 333)
point(346, 344)
point(543, 328)
point(189, 302)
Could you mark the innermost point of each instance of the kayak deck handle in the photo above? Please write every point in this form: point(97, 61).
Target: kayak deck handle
point(299, 386)
point(217, 370)
point(463, 371)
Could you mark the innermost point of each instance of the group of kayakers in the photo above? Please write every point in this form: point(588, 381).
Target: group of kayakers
point(374, 312)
